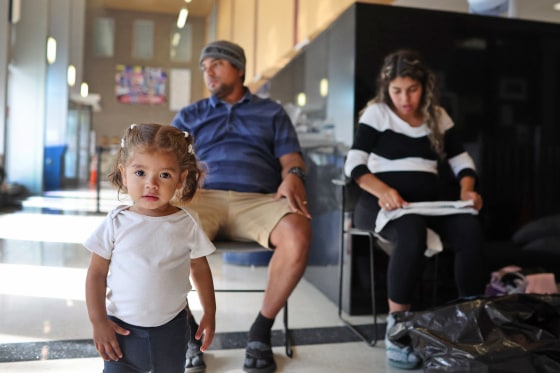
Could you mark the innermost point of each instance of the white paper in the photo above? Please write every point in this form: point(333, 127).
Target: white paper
point(179, 88)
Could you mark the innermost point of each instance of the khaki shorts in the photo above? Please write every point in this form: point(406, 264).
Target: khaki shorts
point(238, 216)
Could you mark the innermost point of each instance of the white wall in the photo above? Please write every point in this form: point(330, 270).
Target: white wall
point(37, 93)
point(56, 99)
point(76, 41)
point(4, 35)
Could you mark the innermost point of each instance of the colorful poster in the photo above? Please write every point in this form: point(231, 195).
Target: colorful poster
point(140, 84)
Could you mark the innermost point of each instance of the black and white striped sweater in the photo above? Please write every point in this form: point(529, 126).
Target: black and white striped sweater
point(401, 155)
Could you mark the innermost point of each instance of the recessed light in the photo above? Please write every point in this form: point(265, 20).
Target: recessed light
point(51, 50)
point(556, 6)
point(182, 18)
point(71, 75)
point(84, 89)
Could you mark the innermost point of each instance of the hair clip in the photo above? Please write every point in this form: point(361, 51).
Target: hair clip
point(123, 141)
point(190, 149)
point(186, 134)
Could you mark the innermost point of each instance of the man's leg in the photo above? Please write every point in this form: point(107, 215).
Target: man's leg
point(291, 239)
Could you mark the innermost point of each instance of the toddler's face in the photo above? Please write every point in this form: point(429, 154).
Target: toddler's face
point(151, 178)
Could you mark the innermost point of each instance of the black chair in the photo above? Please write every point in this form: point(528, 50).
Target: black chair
point(248, 247)
point(350, 192)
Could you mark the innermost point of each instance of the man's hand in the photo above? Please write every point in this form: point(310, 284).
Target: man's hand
point(293, 189)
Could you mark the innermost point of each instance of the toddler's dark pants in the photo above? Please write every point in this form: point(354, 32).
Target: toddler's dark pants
point(160, 349)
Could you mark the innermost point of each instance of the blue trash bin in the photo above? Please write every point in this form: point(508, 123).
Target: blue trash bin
point(53, 167)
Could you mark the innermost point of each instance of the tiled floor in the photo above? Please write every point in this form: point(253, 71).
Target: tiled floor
point(44, 325)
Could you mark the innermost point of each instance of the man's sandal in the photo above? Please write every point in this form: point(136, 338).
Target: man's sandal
point(259, 358)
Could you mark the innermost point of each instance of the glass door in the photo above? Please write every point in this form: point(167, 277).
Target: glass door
point(77, 155)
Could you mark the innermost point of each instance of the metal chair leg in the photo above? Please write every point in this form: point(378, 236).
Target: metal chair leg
point(287, 333)
point(237, 246)
point(435, 282)
point(370, 342)
point(371, 238)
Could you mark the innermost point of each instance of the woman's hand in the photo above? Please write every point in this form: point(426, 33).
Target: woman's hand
point(390, 199)
point(471, 195)
point(468, 193)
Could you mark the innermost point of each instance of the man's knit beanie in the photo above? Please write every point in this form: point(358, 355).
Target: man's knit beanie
point(222, 49)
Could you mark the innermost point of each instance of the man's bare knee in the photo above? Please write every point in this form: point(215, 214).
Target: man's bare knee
point(292, 239)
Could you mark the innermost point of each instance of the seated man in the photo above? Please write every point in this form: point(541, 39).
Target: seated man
point(254, 188)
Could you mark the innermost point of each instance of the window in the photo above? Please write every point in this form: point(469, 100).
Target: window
point(104, 35)
point(143, 39)
point(181, 44)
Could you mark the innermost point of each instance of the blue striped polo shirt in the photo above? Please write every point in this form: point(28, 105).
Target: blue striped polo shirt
point(240, 144)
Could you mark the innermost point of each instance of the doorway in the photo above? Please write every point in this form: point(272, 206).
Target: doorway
point(77, 157)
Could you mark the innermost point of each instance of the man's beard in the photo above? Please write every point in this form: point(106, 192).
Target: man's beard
point(222, 90)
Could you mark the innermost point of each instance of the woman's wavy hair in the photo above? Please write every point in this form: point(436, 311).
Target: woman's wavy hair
point(158, 137)
point(408, 63)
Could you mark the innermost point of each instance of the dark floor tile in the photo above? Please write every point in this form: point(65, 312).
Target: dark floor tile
point(84, 348)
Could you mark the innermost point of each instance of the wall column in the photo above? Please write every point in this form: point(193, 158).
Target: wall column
point(26, 97)
point(4, 44)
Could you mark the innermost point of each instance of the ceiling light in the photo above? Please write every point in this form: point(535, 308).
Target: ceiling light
point(556, 6)
point(71, 75)
point(182, 19)
point(51, 50)
point(324, 87)
point(84, 90)
point(488, 7)
point(301, 99)
point(188, 1)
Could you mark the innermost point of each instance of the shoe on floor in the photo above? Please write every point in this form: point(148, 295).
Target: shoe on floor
point(259, 358)
point(195, 361)
point(399, 356)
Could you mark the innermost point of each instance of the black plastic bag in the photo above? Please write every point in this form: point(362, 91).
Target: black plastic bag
point(507, 334)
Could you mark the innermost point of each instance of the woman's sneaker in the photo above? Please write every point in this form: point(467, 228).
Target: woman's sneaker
point(402, 357)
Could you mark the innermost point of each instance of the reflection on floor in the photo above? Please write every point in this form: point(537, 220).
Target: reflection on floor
point(44, 325)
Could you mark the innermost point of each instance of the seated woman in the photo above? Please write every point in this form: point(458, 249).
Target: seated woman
point(401, 136)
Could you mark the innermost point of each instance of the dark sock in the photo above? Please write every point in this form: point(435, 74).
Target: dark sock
point(261, 329)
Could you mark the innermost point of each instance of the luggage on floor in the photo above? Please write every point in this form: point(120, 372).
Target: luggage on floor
point(512, 333)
